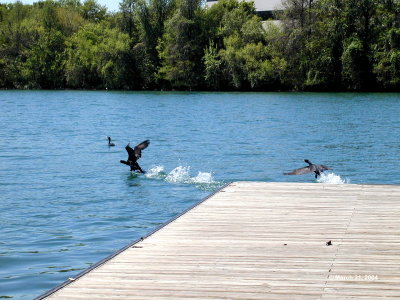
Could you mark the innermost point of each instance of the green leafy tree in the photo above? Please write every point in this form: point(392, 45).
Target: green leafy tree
point(387, 66)
point(387, 48)
point(152, 16)
point(246, 58)
point(352, 58)
point(128, 12)
point(180, 44)
point(43, 67)
point(18, 33)
point(182, 47)
point(70, 20)
point(96, 57)
point(298, 24)
point(324, 47)
point(228, 18)
point(213, 67)
point(92, 11)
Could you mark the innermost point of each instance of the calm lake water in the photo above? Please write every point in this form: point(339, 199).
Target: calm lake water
point(66, 202)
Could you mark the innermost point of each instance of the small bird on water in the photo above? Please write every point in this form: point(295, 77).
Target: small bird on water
point(109, 142)
point(317, 169)
point(134, 154)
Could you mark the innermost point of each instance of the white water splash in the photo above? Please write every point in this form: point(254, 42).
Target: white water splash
point(203, 177)
point(179, 175)
point(332, 178)
point(155, 172)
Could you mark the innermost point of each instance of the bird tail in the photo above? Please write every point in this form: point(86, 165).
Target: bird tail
point(124, 162)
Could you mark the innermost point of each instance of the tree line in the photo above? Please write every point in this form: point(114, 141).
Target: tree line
point(317, 45)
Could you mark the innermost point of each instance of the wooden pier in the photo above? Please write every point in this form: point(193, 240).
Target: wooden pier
point(257, 240)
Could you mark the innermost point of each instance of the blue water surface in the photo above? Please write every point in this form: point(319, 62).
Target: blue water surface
point(66, 202)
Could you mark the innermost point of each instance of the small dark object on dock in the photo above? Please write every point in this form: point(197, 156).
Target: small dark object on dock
point(329, 243)
point(284, 244)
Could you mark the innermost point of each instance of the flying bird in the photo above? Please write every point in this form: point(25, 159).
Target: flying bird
point(109, 142)
point(134, 154)
point(317, 169)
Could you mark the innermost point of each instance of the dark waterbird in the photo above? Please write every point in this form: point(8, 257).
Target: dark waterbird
point(317, 169)
point(134, 154)
point(109, 142)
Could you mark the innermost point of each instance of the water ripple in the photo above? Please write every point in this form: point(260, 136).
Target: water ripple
point(66, 201)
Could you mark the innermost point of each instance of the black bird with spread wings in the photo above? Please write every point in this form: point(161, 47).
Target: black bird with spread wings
point(134, 154)
point(317, 169)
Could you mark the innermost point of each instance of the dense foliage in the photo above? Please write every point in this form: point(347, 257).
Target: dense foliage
point(325, 45)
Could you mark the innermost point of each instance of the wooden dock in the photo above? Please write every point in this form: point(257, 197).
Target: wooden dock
point(256, 240)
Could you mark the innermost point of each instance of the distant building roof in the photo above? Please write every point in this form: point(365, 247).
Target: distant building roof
point(261, 5)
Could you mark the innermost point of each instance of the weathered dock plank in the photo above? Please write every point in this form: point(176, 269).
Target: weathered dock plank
point(256, 240)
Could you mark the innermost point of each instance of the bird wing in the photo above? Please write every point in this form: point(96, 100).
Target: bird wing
point(131, 153)
point(138, 148)
point(300, 171)
point(324, 167)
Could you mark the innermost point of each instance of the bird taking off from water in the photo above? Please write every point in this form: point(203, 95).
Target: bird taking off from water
point(134, 154)
point(109, 142)
point(317, 169)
